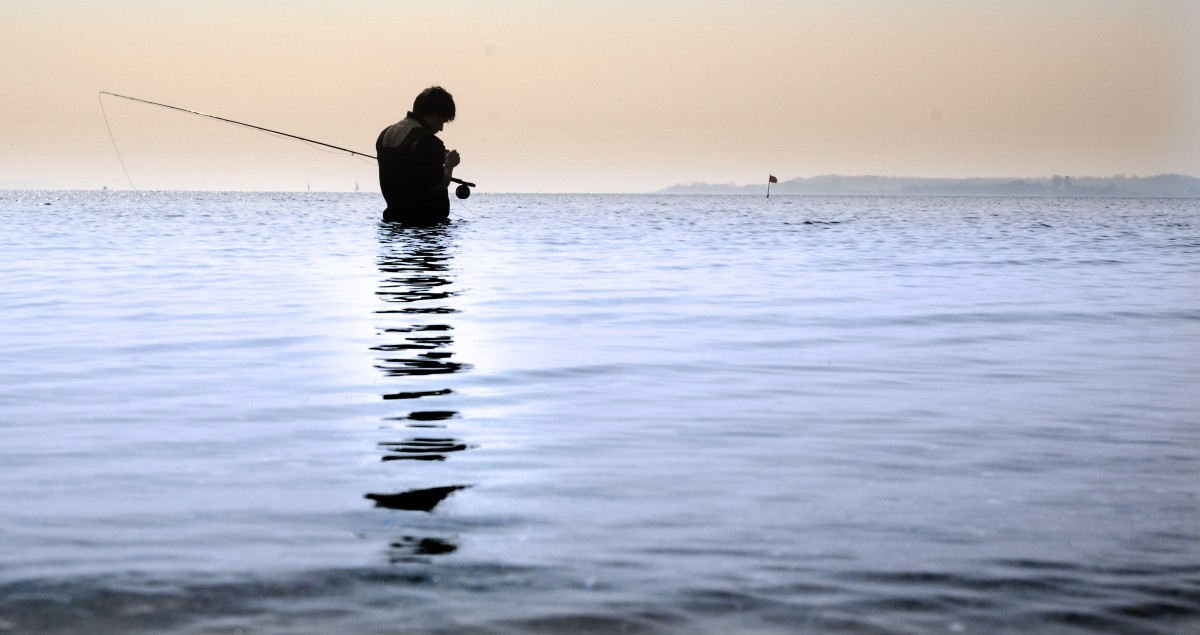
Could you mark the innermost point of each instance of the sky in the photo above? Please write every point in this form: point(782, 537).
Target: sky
point(599, 95)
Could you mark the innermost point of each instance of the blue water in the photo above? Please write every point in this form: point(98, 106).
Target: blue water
point(652, 414)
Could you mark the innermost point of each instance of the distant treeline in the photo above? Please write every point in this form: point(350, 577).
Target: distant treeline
point(1167, 185)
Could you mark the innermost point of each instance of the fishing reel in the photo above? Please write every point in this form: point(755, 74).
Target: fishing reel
point(464, 188)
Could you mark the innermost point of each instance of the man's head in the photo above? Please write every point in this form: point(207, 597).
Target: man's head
point(435, 105)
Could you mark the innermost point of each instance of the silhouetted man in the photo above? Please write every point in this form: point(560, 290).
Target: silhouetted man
point(414, 166)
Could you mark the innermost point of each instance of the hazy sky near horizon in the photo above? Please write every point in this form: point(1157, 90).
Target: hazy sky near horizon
point(600, 95)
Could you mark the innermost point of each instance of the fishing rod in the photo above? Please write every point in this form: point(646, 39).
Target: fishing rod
point(462, 191)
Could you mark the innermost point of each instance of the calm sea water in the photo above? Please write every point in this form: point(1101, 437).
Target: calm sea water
point(268, 413)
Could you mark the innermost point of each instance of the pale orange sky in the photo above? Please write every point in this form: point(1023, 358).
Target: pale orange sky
point(601, 96)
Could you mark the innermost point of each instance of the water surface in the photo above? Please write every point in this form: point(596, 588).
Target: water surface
point(662, 414)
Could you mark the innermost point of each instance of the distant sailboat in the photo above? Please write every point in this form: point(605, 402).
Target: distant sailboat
point(356, 186)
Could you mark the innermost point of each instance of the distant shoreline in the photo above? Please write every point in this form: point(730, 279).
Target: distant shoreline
point(1163, 185)
point(1159, 186)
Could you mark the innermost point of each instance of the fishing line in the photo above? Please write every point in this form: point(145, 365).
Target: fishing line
point(113, 138)
point(458, 205)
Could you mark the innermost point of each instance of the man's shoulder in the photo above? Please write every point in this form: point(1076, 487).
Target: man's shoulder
point(406, 131)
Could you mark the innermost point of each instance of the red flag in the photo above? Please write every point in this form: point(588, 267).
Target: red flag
point(772, 179)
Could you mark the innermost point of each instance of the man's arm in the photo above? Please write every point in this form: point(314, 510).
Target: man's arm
point(430, 162)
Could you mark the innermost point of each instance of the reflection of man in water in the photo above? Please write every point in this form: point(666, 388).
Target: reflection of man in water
point(414, 166)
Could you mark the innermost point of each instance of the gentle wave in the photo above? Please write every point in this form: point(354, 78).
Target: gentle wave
point(1008, 596)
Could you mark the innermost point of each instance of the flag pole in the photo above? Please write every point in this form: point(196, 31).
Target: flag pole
point(768, 188)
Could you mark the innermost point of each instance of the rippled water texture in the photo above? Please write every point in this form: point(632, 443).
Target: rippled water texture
point(269, 413)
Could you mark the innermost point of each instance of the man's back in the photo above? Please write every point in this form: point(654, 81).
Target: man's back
point(411, 164)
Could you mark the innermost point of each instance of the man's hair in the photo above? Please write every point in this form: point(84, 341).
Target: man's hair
point(435, 101)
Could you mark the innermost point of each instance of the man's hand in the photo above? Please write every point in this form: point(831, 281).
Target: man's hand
point(452, 158)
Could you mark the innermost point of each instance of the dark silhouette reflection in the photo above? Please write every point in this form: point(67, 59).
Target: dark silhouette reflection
point(432, 415)
point(418, 394)
point(410, 548)
point(416, 266)
point(417, 344)
point(420, 310)
point(426, 417)
point(423, 364)
point(421, 449)
point(423, 327)
point(417, 500)
point(418, 289)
